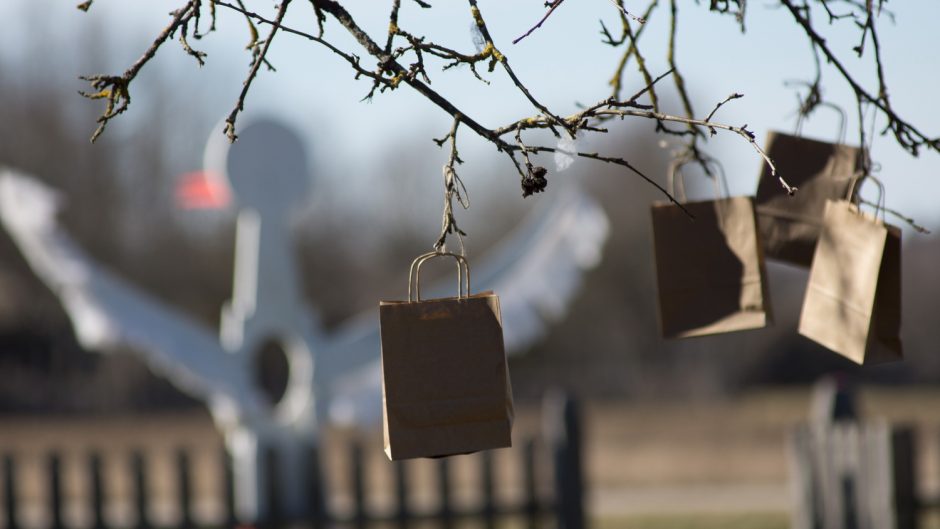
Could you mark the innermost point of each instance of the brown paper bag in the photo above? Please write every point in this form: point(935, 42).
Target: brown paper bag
point(709, 271)
point(789, 225)
point(853, 299)
point(444, 375)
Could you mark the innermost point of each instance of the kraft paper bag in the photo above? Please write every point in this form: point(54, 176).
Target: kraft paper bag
point(789, 225)
point(709, 271)
point(853, 299)
point(445, 380)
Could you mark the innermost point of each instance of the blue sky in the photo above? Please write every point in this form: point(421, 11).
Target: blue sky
point(563, 63)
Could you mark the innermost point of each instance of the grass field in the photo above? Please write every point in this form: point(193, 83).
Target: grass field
point(697, 521)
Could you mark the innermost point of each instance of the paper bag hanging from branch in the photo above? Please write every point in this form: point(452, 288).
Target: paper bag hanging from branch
point(853, 300)
point(709, 270)
point(789, 225)
point(444, 375)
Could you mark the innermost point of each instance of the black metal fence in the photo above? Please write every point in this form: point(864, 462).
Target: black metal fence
point(560, 445)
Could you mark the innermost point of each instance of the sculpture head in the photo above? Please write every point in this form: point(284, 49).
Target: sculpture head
point(266, 167)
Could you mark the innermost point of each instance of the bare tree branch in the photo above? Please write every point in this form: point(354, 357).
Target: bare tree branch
point(398, 57)
point(115, 89)
point(907, 136)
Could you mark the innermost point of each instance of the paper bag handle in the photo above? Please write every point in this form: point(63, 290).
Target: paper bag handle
point(836, 108)
point(411, 270)
point(675, 168)
point(414, 274)
point(879, 205)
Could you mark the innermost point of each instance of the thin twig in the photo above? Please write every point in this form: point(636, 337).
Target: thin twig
point(501, 58)
point(256, 64)
point(712, 113)
point(551, 9)
point(671, 57)
point(616, 81)
point(741, 131)
point(453, 187)
point(623, 163)
point(623, 10)
point(910, 221)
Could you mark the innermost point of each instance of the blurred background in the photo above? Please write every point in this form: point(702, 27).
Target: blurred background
point(677, 433)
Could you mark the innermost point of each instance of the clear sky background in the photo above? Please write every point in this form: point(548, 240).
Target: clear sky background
point(563, 63)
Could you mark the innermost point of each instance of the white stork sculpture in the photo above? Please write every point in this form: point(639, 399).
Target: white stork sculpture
point(331, 376)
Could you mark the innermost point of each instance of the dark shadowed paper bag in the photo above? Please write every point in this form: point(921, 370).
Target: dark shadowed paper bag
point(853, 299)
point(789, 225)
point(710, 270)
point(445, 379)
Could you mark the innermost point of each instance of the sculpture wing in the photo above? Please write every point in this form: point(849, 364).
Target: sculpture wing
point(354, 390)
point(539, 268)
point(535, 271)
point(107, 312)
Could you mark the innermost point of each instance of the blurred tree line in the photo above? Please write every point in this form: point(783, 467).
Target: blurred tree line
point(119, 205)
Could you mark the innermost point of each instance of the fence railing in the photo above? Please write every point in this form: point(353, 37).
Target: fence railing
point(562, 507)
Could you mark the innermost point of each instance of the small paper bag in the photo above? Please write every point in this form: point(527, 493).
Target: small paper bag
point(853, 299)
point(710, 270)
point(789, 225)
point(445, 380)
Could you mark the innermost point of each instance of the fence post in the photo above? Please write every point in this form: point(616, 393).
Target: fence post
point(184, 488)
point(446, 513)
point(358, 484)
point(486, 479)
point(9, 492)
point(273, 516)
point(402, 512)
point(55, 490)
point(531, 484)
point(228, 489)
point(316, 490)
point(562, 418)
point(141, 497)
point(905, 494)
point(805, 492)
point(97, 490)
